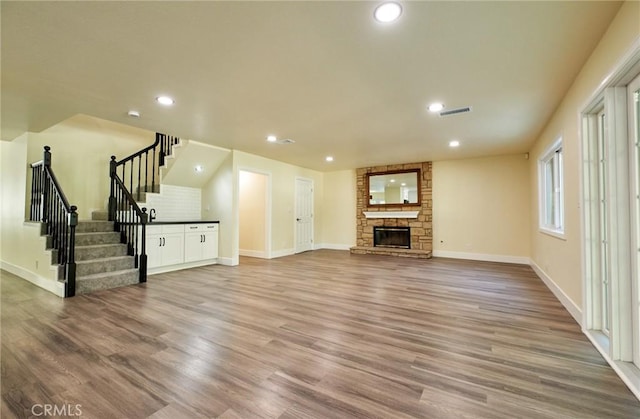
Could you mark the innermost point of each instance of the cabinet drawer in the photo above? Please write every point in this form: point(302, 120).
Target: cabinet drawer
point(165, 229)
point(191, 228)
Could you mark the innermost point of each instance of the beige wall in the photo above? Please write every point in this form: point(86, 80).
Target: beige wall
point(481, 208)
point(253, 212)
point(560, 259)
point(220, 203)
point(283, 177)
point(81, 148)
point(22, 249)
point(339, 205)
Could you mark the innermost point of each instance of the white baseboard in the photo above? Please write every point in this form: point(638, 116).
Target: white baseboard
point(481, 256)
point(567, 302)
point(332, 246)
point(281, 253)
point(254, 253)
point(51, 285)
point(627, 371)
point(228, 261)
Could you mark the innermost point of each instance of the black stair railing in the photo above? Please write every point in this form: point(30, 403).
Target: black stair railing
point(140, 172)
point(130, 178)
point(129, 220)
point(50, 206)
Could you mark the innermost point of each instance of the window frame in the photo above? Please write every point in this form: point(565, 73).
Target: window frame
point(551, 190)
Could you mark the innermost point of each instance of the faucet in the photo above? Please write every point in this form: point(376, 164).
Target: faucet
point(152, 214)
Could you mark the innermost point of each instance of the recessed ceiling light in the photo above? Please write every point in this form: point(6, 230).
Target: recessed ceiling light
point(198, 169)
point(165, 100)
point(387, 12)
point(403, 184)
point(454, 143)
point(272, 138)
point(392, 180)
point(134, 114)
point(329, 158)
point(436, 107)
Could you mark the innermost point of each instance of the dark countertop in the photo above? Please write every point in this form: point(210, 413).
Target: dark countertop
point(181, 222)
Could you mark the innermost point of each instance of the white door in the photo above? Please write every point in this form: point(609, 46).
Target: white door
point(304, 215)
point(633, 95)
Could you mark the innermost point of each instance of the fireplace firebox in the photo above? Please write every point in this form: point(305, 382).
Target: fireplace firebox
point(399, 237)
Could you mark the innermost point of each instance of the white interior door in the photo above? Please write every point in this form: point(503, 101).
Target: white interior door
point(304, 215)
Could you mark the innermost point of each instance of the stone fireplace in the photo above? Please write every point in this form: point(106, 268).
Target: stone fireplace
point(417, 219)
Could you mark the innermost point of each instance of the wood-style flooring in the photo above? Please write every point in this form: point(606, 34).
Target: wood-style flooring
point(323, 334)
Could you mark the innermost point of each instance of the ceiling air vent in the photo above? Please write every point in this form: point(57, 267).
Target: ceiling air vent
point(455, 111)
point(286, 141)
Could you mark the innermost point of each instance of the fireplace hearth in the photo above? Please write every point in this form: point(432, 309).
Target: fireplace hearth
point(397, 237)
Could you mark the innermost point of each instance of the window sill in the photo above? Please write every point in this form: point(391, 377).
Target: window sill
point(553, 233)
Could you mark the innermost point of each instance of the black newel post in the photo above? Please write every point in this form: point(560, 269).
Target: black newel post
point(112, 194)
point(46, 165)
point(72, 222)
point(142, 267)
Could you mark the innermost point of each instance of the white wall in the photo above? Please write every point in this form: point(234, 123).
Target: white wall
point(175, 203)
point(481, 208)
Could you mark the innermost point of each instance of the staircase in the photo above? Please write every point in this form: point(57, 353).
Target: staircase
point(101, 260)
point(107, 251)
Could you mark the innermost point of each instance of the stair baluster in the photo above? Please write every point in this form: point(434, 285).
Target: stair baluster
point(50, 206)
point(129, 219)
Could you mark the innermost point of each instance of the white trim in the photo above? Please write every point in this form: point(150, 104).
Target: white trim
point(333, 246)
point(295, 213)
point(228, 261)
point(268, 207)
point(281, 253)
point(627, 372)
point(254, 253)
point(181, 266)
point(391, 214)
point(564, 299)
point(553, 233)
point(53, 286)
point(523, 260)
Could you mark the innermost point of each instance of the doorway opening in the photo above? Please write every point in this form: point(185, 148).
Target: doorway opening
point(254, 214)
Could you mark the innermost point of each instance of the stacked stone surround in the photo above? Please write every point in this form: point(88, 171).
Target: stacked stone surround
point(421, 227)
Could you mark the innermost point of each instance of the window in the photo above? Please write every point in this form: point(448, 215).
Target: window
point(552, 190)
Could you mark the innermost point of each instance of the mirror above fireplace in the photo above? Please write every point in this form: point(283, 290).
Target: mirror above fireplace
point(394, 188)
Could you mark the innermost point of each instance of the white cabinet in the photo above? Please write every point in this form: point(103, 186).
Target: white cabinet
point(178, 246)
point(201, 242)
point(165, 245)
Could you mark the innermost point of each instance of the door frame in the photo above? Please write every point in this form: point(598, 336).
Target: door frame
point(268, 210)
point(295, 213)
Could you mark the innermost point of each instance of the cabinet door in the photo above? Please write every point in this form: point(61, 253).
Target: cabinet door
point(210, 245)
point(172, 248)
point(154, 250)
point(193, 246)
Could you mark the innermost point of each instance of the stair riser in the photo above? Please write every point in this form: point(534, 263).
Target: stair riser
point(100, 266)
point(106, 251)
point(97, 238)
point(112, 281)
point(94, 227)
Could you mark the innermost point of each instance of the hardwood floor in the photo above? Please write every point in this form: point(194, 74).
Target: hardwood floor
point(323, 334)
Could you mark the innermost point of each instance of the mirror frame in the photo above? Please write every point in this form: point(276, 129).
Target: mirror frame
point(393, 172)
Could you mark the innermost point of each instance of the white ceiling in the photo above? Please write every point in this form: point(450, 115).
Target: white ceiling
point(324, 74)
